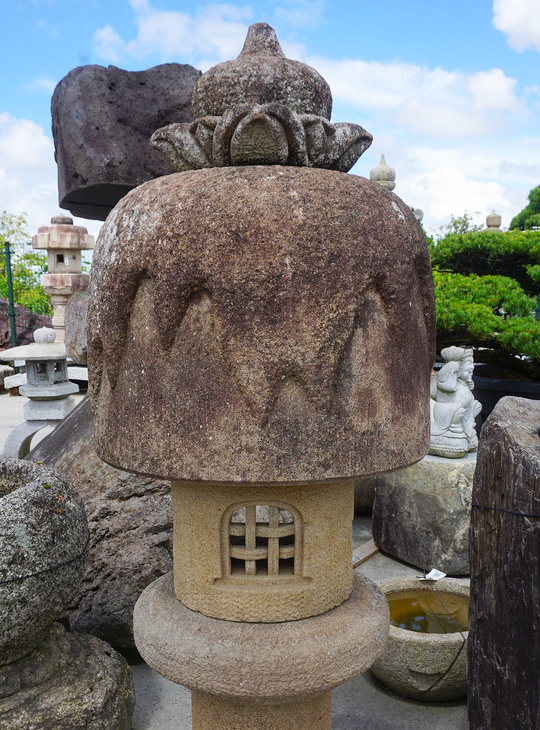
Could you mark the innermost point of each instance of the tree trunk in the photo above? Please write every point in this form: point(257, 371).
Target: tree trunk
point(504, 636)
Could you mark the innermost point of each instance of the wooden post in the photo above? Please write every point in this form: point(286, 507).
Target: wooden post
point(504, 635)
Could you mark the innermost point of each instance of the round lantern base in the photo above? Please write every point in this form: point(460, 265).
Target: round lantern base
point(280, 671)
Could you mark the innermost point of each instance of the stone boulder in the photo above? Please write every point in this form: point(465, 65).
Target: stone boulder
point(43, 549)
point(75, 323)
point(102, 121)
point(70, 682)
point(421, 514)
point(130, 523)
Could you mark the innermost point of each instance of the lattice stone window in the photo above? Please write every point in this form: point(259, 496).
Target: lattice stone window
point(263, 540)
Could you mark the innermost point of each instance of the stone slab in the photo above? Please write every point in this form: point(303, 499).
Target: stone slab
point(421, 514)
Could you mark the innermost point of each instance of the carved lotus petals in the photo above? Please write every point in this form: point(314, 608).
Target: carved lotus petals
point(262, 134)
point(266, 134)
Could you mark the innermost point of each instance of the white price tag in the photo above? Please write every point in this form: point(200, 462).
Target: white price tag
point(434, 574)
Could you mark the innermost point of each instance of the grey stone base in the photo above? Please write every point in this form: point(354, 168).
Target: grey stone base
point(17, 444)
point(421, 514)
point(70, 681)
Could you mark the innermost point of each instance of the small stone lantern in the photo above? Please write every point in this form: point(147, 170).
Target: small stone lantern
point(493, 221)
point(47, 387)
point(64, 243)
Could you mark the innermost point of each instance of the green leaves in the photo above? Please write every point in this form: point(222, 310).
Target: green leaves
point(27, 265)
point(530, 215)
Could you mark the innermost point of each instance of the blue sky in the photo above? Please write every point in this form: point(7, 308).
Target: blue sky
point(449, 90)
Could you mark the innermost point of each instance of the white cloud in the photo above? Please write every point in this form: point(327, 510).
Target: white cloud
point(215, 31)
point(301, 13)
point(434, 102)
point(28, 173)
point(519, 20)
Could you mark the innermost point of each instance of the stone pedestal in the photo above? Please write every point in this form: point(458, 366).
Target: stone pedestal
point(421, 514)
point(282, 672)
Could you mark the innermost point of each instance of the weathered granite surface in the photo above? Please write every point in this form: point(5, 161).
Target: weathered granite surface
point(421, 514)
point(69, 681)
point(43, 550)
point(75, 324)
point(102, 121)
point(262, 74)
point(130, 521)
point(284, 351)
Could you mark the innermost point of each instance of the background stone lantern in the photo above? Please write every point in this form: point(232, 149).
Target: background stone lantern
point(47, 387)
point(63, 242)
point(261, 333)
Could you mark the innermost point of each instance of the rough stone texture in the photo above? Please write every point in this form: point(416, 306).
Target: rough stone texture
point(209, 712)
point(69, 681)
point(280, 660)
point(75, 327)
point(130, 521)
point(421, 514)
point(504, 645)
point(43, 549)
point(232, 570)
point(262, 74)
point(285, 347)
point(102, 121)
point(412, 661)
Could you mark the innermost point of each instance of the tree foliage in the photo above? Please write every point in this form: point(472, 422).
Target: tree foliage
point(530, 215)
point(485, 287)
point(27, 265)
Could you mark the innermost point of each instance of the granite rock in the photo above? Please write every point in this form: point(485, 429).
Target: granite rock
point(70, 681)
point(261, 352)
point(421, 514)
point(130, 521)
point(43, 549)
point(75, 324)
point(102, 121)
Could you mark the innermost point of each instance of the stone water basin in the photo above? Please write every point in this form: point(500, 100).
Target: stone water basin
point(424, 641)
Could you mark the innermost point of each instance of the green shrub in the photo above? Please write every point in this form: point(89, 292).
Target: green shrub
point(530, 215)
point(486, 283)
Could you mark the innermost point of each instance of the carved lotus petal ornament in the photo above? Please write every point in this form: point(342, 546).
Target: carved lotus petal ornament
point(267, 134)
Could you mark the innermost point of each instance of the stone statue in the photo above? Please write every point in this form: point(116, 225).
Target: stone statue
point(453, 406)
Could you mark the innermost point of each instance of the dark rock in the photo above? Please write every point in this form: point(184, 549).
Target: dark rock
point(504, 614)
point(130, 523)
point(102, 121)
point(75, 324)
point(69, 681)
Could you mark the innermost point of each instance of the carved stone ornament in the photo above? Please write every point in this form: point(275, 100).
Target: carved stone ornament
point(453, 407)
point(266, 124)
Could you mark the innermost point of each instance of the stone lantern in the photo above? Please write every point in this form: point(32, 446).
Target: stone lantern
point(63, 242)
point(47, 387)
point(261, 333)
point(493, 221)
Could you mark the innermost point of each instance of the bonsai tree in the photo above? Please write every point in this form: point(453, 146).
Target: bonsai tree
point(486, 286)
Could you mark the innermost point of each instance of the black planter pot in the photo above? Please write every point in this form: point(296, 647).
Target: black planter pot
point(488, 390)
